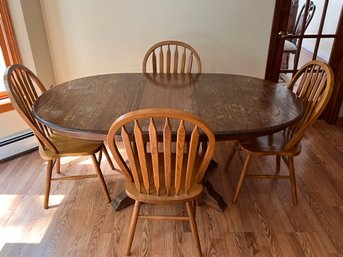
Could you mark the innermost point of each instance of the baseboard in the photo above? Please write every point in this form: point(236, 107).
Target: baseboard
point(17, 144)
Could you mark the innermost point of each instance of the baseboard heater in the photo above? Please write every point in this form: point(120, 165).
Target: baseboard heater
point(17, 144)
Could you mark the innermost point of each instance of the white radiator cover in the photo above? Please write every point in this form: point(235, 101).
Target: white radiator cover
point(17, 144)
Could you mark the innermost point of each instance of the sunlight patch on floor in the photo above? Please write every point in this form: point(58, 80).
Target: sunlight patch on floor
point(19, 226)
point(53, 199)
point(68, 159)
point(6, 203)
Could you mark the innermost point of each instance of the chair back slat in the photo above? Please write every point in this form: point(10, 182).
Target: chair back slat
point(180, 147)
point(168, 60)
point(190, 62)
point(142, 156)
point(314, 89)
point(308, 85)
point(167, 147)
point(31, 87)
point(154, 62)
point(162, 172)
point(301, 84)
point(132, 157)
point(184, 65)
point(193, 151)
point(23, 88)
point(18, 93)
point(154, 154)
point(320, 85)
point(176, 58)
point(183, 61)
point(27, 93)
point(161, 60)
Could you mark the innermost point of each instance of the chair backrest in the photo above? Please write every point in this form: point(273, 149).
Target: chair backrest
point(23, 88)
point(302, 18)
point(173, 57)
point(313, 84)
point(160, 172)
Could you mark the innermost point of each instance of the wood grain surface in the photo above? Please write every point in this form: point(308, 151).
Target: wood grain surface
point(235, 106)
point(263, 223)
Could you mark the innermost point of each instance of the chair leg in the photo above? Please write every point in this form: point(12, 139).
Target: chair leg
point(194, 206)
point(107, 157)
point(232, 153)
point(101, 177)
point(48, 183)
point(100, 156)
point(132, 228)
point(58, 165)
point(194, 228)
point(292, 180)
point(242, 177)
point(287, 61)
point(278, 165)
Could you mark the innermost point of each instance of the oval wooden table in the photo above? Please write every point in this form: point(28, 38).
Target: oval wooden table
point(235, 106)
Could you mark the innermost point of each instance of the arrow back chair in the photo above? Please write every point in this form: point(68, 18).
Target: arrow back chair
point(172, 57)
point(313, 84)
point(162, 176)
point(23, 88)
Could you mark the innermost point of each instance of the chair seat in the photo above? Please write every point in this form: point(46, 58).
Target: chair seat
point(270, 145)
point(289, 47)
point(67, 146)
point(193, 193)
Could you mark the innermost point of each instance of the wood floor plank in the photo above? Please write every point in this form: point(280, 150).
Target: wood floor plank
point(263, 222)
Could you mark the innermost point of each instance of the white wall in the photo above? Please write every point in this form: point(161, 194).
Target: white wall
point(92, 37)
point(29, 30)
point(87, 37)
point(39, 45)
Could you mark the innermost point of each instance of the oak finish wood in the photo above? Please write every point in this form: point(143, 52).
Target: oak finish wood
point(8, 47)
point(235, 106)
point(182, 171)
point(313, 83)
point(174, 57)
point(23, 88)
point(262, 223)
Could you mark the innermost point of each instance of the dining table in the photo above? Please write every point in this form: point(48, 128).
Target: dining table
point(235, 106)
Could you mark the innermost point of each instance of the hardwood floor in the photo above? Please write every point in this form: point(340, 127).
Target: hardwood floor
point(263, 223)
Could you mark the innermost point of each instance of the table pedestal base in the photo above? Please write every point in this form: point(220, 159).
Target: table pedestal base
point(210, 189)
point(122, 200)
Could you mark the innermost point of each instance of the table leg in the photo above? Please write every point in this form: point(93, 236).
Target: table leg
point(210, 189)
point(121, 201)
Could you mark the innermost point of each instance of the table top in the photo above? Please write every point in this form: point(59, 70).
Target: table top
point(235, 106)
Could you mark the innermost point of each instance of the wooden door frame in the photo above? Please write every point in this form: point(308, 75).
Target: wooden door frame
point(331, 112)
point(282, 9)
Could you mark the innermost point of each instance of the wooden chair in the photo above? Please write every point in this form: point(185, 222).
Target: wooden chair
point(162, 177)
point(313, 83)
point(291, 45)
point(23, 89)
point(180, 61)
